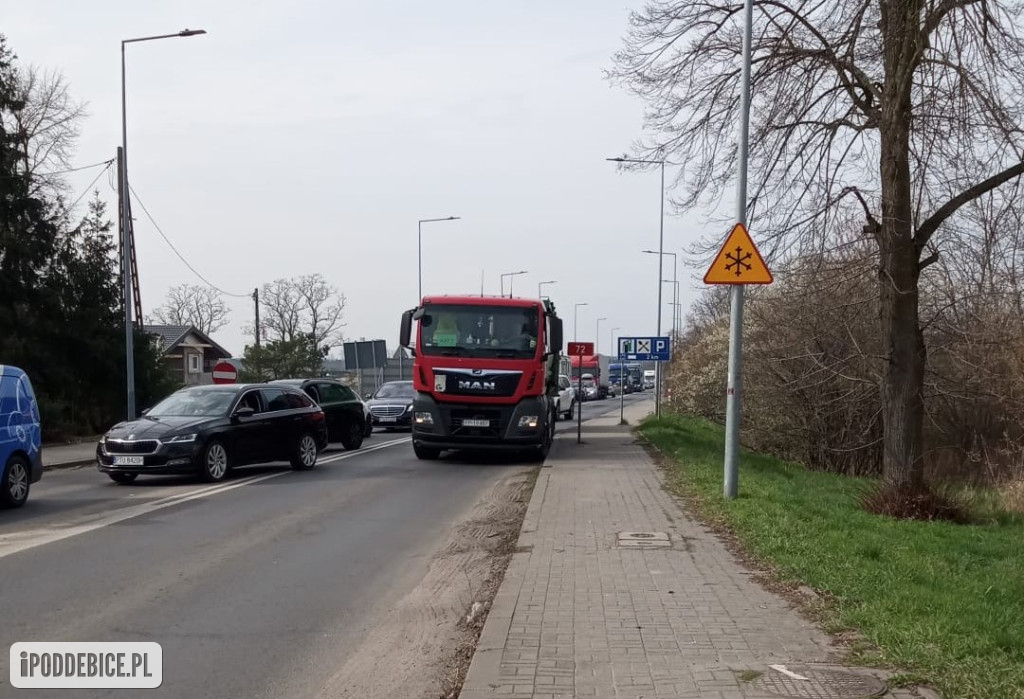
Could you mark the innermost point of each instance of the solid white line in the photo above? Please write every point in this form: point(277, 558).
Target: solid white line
point(787, 673)
point(16, 542)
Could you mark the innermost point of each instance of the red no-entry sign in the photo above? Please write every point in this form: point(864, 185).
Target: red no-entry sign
point(225, 372)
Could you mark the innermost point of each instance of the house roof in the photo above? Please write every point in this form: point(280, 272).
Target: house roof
point(171, 335)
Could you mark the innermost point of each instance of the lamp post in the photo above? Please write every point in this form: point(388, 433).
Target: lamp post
point(661, 250)
point(675, 306)
point(540, 287)
point(575, 316)
point(597, 336)
point(510, 275)
point(675, 278)
point(611, 338)
point(126, 245)
point(419, 225)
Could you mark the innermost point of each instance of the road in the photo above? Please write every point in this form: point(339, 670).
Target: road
point(346, 580)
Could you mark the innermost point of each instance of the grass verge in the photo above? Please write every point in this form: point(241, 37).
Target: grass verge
point(941, 601)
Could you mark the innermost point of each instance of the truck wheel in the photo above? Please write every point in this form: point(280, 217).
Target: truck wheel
point(425, 453)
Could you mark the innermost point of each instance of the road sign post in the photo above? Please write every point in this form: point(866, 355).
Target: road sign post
point(580, 350)
point(224, 372)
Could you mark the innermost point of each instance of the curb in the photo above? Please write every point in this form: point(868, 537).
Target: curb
point(68, 464)
point(485, 666)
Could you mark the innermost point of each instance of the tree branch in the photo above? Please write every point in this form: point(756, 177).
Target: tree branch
point(929, 226)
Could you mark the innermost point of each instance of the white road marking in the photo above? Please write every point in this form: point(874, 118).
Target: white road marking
point(28, 539)
point(787, 673)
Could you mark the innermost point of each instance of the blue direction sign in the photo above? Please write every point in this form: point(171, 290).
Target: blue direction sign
point(645, 349)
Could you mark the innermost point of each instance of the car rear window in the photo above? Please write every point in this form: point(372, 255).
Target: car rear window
point(298, 400)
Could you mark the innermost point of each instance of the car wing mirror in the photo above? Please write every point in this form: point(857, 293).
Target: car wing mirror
point(244, 411)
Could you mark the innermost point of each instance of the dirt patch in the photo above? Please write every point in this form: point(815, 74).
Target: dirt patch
point(505, 533)
point(422, 647)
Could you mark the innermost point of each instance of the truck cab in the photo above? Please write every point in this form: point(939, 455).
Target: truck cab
point(485, 373)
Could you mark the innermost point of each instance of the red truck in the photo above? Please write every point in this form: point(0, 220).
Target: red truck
point(485, 371)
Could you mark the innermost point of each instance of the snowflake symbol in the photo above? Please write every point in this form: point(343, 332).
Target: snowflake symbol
point(739, 261)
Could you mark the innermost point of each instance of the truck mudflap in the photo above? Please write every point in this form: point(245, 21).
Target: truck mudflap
point(524, 425)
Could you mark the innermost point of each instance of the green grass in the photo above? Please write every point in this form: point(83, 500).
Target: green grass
point(941, 602)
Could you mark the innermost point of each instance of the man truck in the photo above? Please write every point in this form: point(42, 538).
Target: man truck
point(485, 371)
point(597, 366)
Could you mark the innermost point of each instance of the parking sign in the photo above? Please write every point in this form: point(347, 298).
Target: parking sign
point(645, 349)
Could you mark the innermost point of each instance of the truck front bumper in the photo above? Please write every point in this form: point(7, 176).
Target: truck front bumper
point(461, 425)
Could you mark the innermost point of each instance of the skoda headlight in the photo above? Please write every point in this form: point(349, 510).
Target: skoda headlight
point(182, 439)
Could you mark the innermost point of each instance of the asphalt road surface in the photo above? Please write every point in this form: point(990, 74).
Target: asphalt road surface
point(264, 585)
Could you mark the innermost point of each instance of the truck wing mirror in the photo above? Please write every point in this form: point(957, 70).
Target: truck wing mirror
point(556, 335)
point(405, 334)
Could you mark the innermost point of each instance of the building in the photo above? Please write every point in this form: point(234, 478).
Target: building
point(189, 353)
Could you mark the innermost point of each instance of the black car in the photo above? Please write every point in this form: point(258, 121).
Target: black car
point(207, 430)
point(347, 416)
point(391, 404)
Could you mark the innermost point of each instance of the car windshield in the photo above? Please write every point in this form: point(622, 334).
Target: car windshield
point(507, 332)
point(395, 390)
point(194, 404)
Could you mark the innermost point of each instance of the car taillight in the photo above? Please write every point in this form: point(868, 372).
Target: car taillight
point(319, 416)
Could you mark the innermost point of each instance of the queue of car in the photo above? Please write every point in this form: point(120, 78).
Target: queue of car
point(205, 430)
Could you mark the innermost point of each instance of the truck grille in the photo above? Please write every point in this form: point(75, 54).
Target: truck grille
point(145, 446)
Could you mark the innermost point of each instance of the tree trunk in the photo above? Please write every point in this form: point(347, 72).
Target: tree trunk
point(899, 270)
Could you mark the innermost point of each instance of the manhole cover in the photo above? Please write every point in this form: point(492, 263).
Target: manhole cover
point(643, 543)
point(659, 536)
point(808, 683)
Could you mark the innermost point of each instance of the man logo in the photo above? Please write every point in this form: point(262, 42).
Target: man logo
point(478, 385)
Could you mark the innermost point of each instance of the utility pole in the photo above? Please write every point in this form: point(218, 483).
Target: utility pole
point(256, 305)
point(126, 253)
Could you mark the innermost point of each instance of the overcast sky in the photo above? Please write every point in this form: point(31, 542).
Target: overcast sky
point(311, 136)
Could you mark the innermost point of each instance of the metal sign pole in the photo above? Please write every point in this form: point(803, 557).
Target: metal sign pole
point(622, 388)
point(579, 403)
point(733, 404)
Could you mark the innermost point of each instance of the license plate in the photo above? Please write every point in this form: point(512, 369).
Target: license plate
point(476, 423)
point(388, 419)
point(129, 460)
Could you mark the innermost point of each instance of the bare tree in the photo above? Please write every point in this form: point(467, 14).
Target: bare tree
point(46, 127)
point(303, 305)
point(905, 109)
point(200, 306)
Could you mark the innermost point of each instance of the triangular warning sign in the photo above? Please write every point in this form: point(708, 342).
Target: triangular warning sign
point(738, 262)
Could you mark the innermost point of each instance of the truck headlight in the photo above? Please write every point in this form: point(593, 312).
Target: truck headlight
point(422, 418)
point(529, 421)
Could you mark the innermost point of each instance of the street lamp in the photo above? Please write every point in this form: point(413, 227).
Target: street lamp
point(675, 277)
point(510, 274)
point(597, 336)
point(575, 311)
point(540, 286)
point(661, 249)
point(126, 245)
point(419, 225)
point(675, 305)
point(611, 338)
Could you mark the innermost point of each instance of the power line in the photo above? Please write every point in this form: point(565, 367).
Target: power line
point(108, 163)
point(94, 181)
point(180, 256)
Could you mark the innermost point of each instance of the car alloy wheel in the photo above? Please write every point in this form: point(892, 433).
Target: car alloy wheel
point(15, 483)
point(216, 462)
point(305, 453)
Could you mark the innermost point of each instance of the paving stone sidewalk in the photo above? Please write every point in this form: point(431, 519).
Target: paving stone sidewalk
point(579, 616)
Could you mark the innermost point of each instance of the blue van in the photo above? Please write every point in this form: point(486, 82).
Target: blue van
point(21, 452)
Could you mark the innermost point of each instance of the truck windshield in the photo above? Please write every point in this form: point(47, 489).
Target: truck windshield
point(503, 332)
